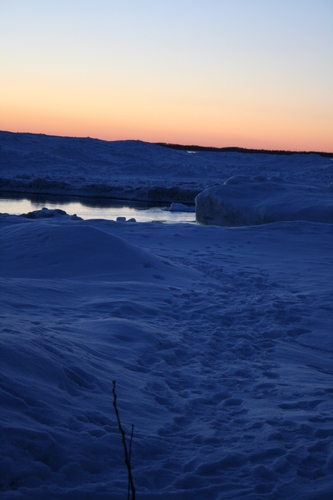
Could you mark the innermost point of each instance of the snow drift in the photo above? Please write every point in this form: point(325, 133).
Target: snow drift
point(242, 201)
point(65, 251)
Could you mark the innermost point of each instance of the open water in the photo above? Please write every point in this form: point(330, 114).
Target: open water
point(96, 209)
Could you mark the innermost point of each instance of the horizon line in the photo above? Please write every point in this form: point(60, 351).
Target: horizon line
point(187, 147)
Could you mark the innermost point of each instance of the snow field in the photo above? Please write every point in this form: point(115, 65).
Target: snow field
point(219, 340)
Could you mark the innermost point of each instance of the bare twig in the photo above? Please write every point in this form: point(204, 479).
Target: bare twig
point(129, 459)
point(127, 453)
point(130, 444)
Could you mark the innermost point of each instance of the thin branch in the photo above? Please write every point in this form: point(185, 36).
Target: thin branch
point(130, 444)
point(127, 454)
point(129, 460)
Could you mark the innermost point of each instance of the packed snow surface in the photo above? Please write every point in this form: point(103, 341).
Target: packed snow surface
point(219, 340)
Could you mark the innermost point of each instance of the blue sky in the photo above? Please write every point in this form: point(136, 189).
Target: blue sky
point(231, 72)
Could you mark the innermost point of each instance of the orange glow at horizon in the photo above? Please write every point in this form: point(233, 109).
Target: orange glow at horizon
point(176, 126)
point(258, 80)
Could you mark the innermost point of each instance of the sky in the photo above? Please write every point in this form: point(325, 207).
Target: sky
point(247, 73)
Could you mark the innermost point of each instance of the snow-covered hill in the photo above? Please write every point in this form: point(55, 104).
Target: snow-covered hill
point(135, 170)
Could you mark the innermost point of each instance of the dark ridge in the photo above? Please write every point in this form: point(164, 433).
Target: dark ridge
point(182, 147)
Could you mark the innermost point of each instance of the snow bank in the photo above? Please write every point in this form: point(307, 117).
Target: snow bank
point(134, 170)
point(242, 201)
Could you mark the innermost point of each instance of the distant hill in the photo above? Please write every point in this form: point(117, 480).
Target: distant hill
point(182, 147)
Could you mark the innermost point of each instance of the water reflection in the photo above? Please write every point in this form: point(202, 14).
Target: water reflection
point(92, 208)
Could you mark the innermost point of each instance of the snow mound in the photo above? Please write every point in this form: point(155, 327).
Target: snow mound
point(180, 207)
point(242, 201)
point(46, 213)
point(52, 251)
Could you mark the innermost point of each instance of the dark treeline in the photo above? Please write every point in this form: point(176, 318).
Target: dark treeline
point(182, 147)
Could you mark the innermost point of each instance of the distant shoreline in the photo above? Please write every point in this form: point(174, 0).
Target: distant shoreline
point(183, 147)
point(234, 149)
